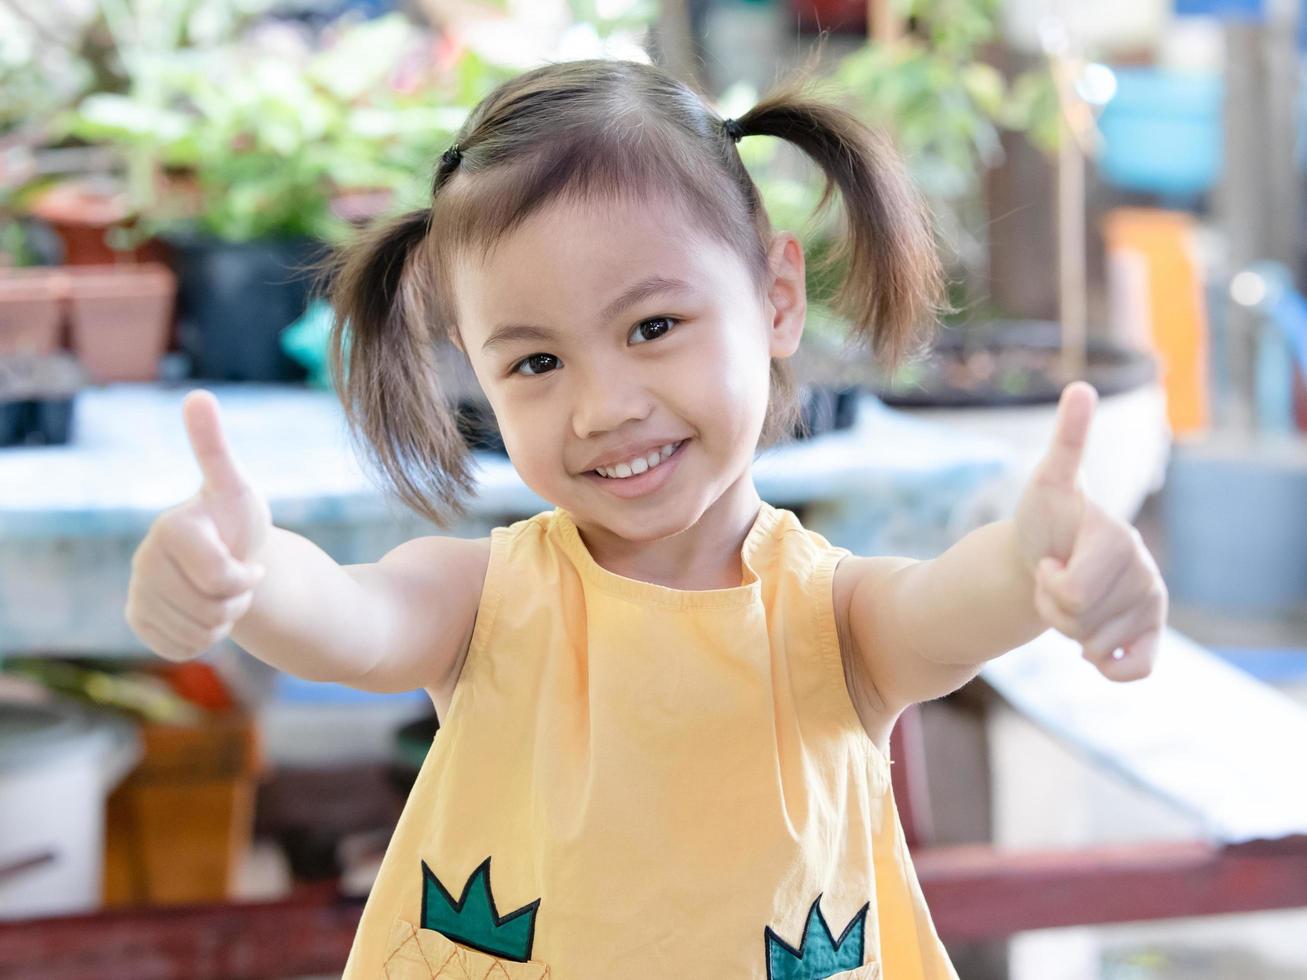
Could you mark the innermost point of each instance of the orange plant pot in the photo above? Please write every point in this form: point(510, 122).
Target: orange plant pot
point(31, 310)
point(121, 315)
point(180, 826)
point(83, 213)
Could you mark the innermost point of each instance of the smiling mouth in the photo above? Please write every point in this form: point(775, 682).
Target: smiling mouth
point(627, 471)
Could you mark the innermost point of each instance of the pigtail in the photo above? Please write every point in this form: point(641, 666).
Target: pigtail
point(383, 367)
point(892, 281)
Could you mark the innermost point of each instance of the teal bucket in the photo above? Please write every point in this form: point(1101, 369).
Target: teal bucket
point(1162, 132)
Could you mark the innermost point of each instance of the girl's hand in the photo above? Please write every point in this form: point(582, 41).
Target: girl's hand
point(1095, 580)
point(195, 573)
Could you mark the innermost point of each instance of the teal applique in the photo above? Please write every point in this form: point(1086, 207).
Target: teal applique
point(473, 920)
point(819, 953)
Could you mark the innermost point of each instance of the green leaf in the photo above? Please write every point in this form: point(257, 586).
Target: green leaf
point(984, 83)
point(363, 57)
point(105, 116)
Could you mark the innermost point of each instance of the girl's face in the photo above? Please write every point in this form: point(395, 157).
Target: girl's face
point(603, 332)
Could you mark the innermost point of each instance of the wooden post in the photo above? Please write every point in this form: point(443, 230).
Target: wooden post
point(1071, 250)
point(1283, 184)
point(1075, 124)
point(675, 42)
point(883, 24)
point(1242, 207)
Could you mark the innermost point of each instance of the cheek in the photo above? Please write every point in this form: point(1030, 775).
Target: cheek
point(530, 431)
point(735, 380)
point(509, 408)
point(520, 432)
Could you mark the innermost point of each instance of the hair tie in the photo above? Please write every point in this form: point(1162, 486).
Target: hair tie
point(733, 129)
point(451, 157)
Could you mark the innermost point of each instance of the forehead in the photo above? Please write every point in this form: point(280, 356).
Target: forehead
point(569, 259)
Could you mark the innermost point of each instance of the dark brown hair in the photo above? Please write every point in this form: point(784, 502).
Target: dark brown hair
point(605, 129)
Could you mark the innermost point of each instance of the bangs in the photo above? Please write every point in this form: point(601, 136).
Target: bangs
point(595, 167)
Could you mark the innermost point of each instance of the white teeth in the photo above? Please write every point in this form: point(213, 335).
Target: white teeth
point(638, 465)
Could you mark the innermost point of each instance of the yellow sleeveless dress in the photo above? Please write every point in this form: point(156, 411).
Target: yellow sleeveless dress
point(635, 781)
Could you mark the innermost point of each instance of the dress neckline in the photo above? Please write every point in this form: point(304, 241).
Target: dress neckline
point(749, 591)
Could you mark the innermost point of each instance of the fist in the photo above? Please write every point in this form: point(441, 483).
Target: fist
point(195, 573)
point(1094, 579)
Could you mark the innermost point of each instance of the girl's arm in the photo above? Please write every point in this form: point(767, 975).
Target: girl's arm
point(215, 566)
point(921, 629)
point(394, 625)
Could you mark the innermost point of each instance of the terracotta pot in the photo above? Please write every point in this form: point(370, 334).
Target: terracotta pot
point(361, 206)
point(201, 778)
point(31, 310)
point(121, 318)
point(81, 214)
point(837, 16)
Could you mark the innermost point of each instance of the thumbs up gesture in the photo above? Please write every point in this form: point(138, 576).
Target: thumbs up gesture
point(1095, 580)
point(194, 575)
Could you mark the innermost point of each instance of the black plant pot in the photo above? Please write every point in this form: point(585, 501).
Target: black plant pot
point(13, 423)
point(50, 420)
point(36, 421)
point(1012, 362)
point(411, 743)
point(477, 425)
point(38, 393)
point(235, 298)
point(826, 408)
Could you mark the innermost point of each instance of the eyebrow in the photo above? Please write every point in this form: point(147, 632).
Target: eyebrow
point(642, 290)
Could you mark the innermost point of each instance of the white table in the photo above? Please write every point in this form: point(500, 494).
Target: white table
point(71, 516)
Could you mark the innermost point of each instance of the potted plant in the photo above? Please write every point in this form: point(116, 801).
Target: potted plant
point(120, 315)
point(50, 58)
point(1000, 378)
point(234, 155)
point(945, 107)
point(930, 88)
point(36, 82)
point(90, 216)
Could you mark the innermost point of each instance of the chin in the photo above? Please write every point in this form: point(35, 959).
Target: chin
point(628, 519)
point(645, 528)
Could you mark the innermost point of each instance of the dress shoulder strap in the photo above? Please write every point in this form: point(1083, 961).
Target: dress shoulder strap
point(516, 550)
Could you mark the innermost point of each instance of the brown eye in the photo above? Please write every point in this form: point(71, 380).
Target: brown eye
point(643, 328)
point(539, 363)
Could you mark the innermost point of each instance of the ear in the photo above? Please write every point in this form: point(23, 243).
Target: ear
point(787, 294)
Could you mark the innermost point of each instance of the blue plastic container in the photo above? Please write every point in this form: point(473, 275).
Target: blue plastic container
point(1274, 665)
point(1252, 11)
point(1162, 132)
point(1235, 539)
point(295, 690)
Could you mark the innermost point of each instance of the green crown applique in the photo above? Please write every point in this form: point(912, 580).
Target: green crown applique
point(473, 920)
point(819, 953)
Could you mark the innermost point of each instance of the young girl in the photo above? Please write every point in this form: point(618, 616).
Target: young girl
point(665, 704)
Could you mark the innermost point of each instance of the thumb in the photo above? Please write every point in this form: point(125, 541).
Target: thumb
point(1075, 412)
point(222, 476)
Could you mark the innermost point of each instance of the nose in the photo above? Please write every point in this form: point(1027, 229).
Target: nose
point(605, 398)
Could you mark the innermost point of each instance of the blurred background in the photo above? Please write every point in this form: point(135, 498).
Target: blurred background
point(1117, 189)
